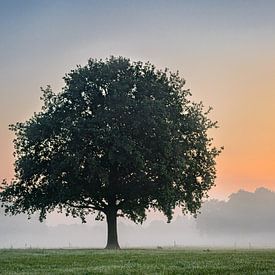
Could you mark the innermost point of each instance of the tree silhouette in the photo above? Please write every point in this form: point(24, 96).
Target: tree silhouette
point(120, 138)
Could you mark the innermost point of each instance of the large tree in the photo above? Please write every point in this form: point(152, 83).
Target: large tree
point(120, 138)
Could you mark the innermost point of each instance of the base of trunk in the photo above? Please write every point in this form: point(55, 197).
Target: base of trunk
point(112, 240)
point(112, 246)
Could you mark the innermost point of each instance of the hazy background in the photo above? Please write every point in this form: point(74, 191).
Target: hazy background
point(224, 49)
point(246, 220)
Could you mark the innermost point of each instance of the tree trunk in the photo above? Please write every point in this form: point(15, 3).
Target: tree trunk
point(112, 241)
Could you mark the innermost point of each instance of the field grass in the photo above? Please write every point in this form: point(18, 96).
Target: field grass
point(160, 261)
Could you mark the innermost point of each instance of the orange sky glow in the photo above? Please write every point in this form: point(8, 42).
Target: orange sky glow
point(226, 55)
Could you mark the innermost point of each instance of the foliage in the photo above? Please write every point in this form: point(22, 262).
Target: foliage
point(121, 136)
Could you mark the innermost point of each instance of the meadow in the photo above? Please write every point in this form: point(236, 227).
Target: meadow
point(136, 261)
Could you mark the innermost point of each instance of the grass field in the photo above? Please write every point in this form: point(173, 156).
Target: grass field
point(161, 261)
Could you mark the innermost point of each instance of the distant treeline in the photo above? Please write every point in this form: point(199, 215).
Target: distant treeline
point(246, 220)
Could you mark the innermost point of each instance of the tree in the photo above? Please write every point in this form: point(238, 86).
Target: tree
point(120, 138)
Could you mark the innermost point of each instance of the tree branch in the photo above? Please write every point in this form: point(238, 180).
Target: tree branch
point(86, 206)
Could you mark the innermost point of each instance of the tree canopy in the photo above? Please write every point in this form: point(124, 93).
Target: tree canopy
point(120, 138)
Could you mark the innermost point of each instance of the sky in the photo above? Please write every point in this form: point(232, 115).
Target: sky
point(224, 49)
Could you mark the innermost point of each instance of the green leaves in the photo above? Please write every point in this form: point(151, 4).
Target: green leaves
point(120, 135)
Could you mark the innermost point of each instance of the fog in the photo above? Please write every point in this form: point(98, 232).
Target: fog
point(246, 220)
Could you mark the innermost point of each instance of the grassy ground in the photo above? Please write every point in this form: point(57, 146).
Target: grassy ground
point(32, 261)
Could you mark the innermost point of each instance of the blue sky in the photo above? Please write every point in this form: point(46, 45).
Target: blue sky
point(224, 49)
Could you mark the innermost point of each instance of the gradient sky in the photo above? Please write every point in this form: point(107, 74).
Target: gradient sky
point(224, 49)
